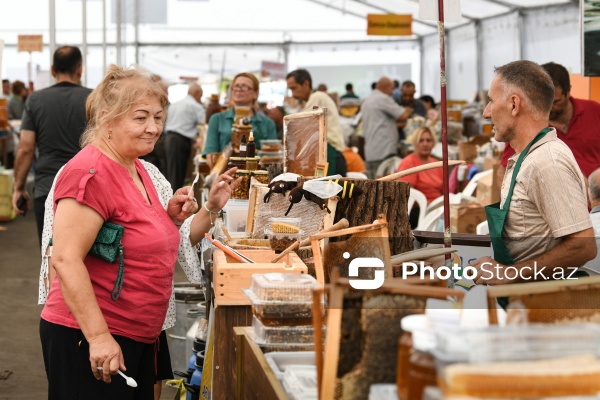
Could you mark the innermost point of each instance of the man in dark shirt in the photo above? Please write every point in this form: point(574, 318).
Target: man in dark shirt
point(407, 100)
point(53, 120)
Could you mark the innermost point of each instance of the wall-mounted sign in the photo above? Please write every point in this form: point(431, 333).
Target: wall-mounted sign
point(389, 24)
point(30, 43)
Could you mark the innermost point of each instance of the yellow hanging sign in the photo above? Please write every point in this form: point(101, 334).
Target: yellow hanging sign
point(30, 43)
point(389, 24)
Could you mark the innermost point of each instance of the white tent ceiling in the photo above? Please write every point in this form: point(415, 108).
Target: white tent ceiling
point(215, 22)
point(201, 37)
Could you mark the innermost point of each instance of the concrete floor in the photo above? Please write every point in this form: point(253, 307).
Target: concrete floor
point(20, 349)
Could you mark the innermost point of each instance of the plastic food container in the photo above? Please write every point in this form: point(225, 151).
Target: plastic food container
point(533, 361)
point(278, 313)
point(236, 215)
point(281, 241)
point(282, 299)
point(280, 360)
point(278, 287)
point(300, 382)
point(286, 335)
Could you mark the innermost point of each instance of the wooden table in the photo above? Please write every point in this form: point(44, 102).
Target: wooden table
point(225, 343)
point(255, 378)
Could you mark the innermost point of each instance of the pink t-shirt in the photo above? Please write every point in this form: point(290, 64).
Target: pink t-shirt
point(429, 182)
point(150, 242)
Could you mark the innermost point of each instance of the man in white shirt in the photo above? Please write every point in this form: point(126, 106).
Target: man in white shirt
point(181, 129)
point(300, 83)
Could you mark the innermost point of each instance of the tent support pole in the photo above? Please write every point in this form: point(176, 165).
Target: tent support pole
point(444, 110)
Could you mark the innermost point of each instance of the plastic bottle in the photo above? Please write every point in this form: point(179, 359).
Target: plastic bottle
point(251, 146)
point(243, 146)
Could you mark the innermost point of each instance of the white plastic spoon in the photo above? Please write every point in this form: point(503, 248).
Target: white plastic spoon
point(130, 381)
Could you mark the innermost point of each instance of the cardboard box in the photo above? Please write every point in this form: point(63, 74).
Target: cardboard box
point(488, 188)
point(467, 152)
point(231, 276)
point(464, 218)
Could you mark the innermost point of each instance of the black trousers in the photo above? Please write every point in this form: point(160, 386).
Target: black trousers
point(39, 208)
point(66, 358)
point(177, 153)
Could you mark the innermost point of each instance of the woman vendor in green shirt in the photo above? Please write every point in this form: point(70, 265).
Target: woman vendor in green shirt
point(244, 92)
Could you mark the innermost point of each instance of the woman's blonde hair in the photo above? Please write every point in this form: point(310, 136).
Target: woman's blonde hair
point(120, 90)
point(254, 79)
point(416, 136)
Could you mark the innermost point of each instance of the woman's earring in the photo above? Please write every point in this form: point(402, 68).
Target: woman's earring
point(109, 132)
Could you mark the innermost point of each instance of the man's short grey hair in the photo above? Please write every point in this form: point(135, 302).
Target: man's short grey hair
point(533, 83)
point(594, 185)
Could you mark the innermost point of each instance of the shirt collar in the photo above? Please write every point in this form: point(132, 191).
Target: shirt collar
point(551, 135)
point(595, 210)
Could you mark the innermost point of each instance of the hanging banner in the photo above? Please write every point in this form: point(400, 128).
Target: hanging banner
point(389, 24)
point(428, 10)
point(30, 43)
point(273, 70)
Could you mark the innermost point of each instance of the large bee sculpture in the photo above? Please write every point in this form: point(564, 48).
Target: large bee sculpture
point(319, 191)
point(281, 184)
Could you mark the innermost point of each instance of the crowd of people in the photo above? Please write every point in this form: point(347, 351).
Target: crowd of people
point(88, 148)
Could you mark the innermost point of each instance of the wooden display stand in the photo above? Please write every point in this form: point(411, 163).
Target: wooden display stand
point(255, 378)
point(305, 143)
point(233, 309)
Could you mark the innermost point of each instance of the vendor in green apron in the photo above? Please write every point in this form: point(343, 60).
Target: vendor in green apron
point(541, 228)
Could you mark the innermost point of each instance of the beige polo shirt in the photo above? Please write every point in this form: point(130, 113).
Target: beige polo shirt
point(549, 200)
point(334, 133)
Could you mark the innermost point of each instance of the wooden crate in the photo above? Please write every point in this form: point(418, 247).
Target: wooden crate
point(231, 276)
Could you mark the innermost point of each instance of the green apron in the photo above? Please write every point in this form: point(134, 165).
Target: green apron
point(496, 216)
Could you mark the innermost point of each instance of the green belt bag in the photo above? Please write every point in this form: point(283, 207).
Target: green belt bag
point(108, 246)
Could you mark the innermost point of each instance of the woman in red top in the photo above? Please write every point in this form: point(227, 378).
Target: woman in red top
point(429, 182)
point(86, 335)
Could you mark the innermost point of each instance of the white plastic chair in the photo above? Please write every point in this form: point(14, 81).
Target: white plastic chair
point(431, 220)
point(388, 166)
point(482, 228)
point(439, 201)
point(418, 197)
point(472, 185)
point(356, 175)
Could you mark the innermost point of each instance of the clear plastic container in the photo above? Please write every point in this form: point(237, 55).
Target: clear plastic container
point(300, 382)
point(285, 225)
point(280, 360)
point(281, 241)
point(530, 361)
point(278, 287)
point(286, 335)
point(236, 215)
point(514, 343)
point(278, 313)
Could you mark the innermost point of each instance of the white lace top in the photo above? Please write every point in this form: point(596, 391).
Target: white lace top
point(187, 255)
